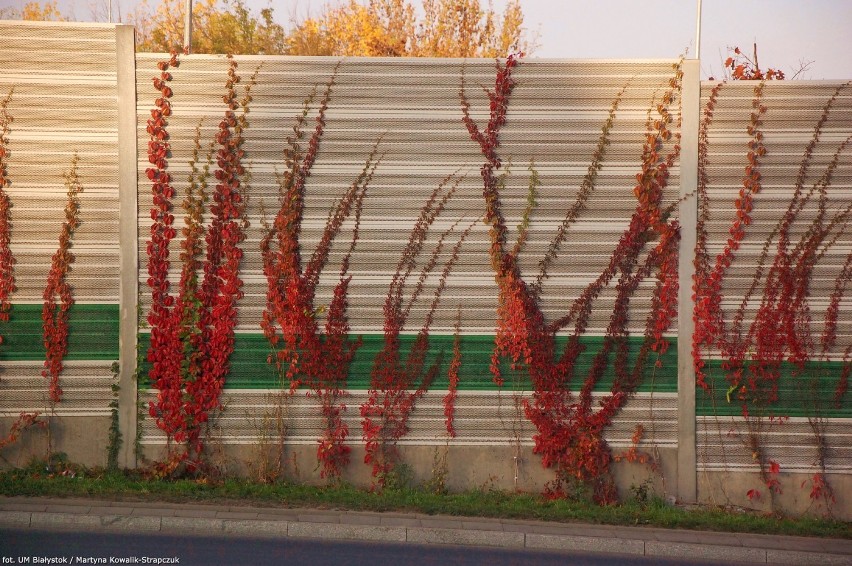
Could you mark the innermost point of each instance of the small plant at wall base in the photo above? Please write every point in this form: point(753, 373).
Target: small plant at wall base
point(115, 438)
point(192, 333)
point(569, 433)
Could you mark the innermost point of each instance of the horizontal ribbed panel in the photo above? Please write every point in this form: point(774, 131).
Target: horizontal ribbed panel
point(555, 116)
point(788, 125)
point(481, 418)
point(723, 444)
point(792, 113)
point(64, 102)
point(86, 389)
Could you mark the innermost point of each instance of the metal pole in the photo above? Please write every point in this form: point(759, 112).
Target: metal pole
point(698, 33)
point(187, 27)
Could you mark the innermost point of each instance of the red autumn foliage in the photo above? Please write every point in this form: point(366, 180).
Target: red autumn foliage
point(7, 262)
point(305, 355)
point(753, 354)
point(633, 454)
point(397, 383)
point(192, 334)
point(570, 432)
point(742, 68)
point(22, 423)
point(55, 316)
point(164, 353)
point(820, 489)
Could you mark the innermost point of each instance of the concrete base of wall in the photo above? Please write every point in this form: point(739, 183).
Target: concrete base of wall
point(454, 468)
point(442, 466)
point(731, 489)
point(83, 440)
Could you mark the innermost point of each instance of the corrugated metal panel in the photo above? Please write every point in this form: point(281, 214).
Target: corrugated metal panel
point(86, 389)
point(481, 418)
point(788, 125)
point(555, 116)
point(723, 444)
point(64, 102)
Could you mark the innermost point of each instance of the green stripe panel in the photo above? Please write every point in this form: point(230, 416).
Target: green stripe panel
point(249, 369)
point(92, 333)
point(801, 393)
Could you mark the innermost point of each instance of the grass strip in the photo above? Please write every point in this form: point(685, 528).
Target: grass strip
point(44, 481)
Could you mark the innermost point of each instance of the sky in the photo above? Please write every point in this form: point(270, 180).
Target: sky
point(788, 32)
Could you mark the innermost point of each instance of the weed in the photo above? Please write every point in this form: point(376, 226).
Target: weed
point(437, 482)
point(397, 478)
point(642, 492)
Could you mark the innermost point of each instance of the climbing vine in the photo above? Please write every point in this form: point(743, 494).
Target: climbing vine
point(57, 293)
point(7, 275)
point(192, 334)
point(398, 380)
point(7, 262)
point(449, 400)
point(305, 353)
point(754, 353)
point(570, 432)
point(163, 353)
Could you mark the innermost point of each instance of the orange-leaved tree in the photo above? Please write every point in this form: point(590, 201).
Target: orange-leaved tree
point(34, 11)
point(218, 27)
point(369, 28)
point(391, 28)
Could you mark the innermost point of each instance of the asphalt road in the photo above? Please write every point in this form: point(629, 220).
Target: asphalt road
point(87, 547)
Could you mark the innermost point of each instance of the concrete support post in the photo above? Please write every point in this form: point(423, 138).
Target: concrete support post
point(127, 238)
point(687, 484)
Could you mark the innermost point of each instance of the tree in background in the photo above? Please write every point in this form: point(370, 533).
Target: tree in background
point(34, 11)
point(390, 28)
point(461, 28)
point(379, 28)
point(218, 27)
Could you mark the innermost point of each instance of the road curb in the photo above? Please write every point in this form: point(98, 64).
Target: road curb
point(414, 529)
point(585, 543)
